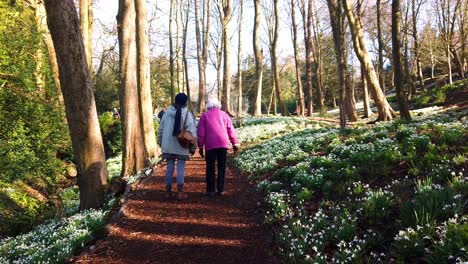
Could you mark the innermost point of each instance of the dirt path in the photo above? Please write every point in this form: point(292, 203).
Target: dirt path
point(200, 229)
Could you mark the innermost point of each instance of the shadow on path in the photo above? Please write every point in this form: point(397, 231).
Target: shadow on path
point(153, 229)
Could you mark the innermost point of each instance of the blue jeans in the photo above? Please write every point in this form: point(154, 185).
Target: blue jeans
point(170, 173)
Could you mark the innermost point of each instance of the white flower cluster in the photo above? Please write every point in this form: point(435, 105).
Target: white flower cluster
point(53, 241)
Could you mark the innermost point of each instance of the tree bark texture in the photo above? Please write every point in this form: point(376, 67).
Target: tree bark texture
point(337, 22)
point(307, 23)
point(144, 79)
point(258, 59)
point(80, 107)
point(85, 25)
point(365, 95)
point(317, 52)
point(50, 48)
point(171, 50)
point(385, 112)
point(184, 55)
point(380, 45)
point(202, 49)
point(239, 61)
point(299, 91)
point(134, 156)
point(276, 77)
point(397, 67)
point(225, 12)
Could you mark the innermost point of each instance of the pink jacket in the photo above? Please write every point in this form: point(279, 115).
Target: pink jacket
point(215, 130)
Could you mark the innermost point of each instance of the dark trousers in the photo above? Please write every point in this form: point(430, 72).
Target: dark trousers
point(213, 155)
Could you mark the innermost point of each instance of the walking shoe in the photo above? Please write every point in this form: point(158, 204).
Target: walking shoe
point(168, 195)
point(210, 194)
point(220, 193)
point(181, 196)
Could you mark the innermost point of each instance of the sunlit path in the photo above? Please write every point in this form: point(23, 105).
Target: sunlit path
point(153, 229)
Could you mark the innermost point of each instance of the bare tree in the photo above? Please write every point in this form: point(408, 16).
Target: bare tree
point(307, 24)
point(415, 9)
point(184, 52)
point(273, 34)
point(86, 22)
point(239, 60)
point(385, 112)
point(134, 156)
point(317, 53)
point(300, 92)
point(398, 71)
point(446, 12)
point(171, 50)
point(202, 49)
point(144, 79)
point(80, 106)
point(258, 59)
point(225, 12)
point(380, 45)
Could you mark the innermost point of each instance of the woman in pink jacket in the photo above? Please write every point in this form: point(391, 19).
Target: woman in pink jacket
point(215, 132)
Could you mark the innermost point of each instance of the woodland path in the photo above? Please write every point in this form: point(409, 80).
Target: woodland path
point(201, 229)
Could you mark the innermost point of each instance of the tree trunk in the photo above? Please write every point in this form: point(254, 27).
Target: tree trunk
point(365, 95)
point(415, 13)
point(134, 156)
point(144, 79)
point(225, 13)
point(239, 61)
point(86, 25)
point(50, 49)
point(80, 106)
point(398, 71)
point(258, 59)
point(317, 51)
point(385, 112)
point(180, 85)
point(184, 55)
point(284, 110)
point(202, 50)
point(171, 50)
point(380, 46)
point(299, 91)
point(336, 21)
point(307, 24)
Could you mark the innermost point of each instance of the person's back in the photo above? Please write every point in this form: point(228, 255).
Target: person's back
point(217, 128)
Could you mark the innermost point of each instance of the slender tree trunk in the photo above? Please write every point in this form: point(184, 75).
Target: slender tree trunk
point(385, 112)
point(219, 60)
point(180, 85)
point(171, 50)
point(300, 91)
point(318, 60)
point(80, 106)
point(380, 45)
point(38, 56)
point(307, 23)
point(202, 49)
point(365, 95)
point(225, 12)
point(398, 71)
point(239, 61)
point(144, 79)
point(50, 49)
point(336, 21)
point(134, 156)
point(86, 22)
point(184, 55)
point(284, 110)
point(258, 59)
point(415, 13)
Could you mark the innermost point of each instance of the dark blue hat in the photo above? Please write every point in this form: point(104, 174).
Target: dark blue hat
point(181, 99)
